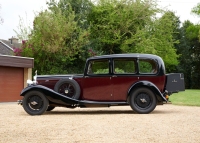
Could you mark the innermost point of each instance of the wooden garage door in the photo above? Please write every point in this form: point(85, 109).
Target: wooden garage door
point(11, 83)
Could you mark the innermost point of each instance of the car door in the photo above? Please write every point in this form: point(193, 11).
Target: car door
point(96, 84)
point(124, 75)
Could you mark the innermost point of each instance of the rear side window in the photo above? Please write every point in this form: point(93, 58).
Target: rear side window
point(124, 66)
point(148, 66)
point(98, 67)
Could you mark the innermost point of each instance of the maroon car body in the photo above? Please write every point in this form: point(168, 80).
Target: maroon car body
point(109, 80)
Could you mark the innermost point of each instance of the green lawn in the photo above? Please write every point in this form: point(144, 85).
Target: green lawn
point(190, 97)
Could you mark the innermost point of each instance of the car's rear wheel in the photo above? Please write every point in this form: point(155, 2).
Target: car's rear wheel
point(35, 103)
point(142, 100)
point(50, 108)
point(68, 87)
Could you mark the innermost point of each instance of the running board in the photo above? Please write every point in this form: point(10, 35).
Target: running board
point(84, 102)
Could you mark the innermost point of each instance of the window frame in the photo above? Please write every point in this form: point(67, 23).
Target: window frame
point(103, 59)
point(149, 73)
point(125, 58)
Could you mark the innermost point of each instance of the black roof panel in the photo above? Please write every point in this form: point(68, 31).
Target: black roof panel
point(130, 55)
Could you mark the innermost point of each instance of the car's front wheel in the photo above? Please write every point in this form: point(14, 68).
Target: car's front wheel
point(35, 103)
point(142, 100)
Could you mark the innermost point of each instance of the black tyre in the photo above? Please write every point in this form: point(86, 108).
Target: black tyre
point(68, 87)
point(35, 103)
point(50, 108)
point(142, 100)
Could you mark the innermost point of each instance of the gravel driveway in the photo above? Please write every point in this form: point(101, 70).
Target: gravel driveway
point(167, 123)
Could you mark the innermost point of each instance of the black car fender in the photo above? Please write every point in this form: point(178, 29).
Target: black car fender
point(149, 85)
point(51, 95)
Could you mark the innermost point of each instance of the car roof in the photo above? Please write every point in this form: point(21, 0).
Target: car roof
point(132, 55)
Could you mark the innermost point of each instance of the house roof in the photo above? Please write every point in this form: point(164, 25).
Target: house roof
point(6, 47)
point(13, 45)
point(16, 61)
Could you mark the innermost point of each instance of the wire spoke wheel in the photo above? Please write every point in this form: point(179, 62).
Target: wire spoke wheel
point(68, 87)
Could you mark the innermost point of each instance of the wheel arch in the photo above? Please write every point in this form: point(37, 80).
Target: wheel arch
point(148, 85)
point(50, 94)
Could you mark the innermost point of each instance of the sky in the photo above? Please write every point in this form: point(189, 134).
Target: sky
point(11, 10)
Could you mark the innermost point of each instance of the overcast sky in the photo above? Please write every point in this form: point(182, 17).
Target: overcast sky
point(12, 9)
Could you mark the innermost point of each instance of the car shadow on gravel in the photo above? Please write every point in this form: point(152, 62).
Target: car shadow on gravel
point(90, 112)
point(100, 112)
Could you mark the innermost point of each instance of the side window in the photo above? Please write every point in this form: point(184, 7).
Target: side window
point(148, 66)
point(98, 67)
point(124, 66)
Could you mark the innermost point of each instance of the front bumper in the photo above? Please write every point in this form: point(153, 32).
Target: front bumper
point(19, 102)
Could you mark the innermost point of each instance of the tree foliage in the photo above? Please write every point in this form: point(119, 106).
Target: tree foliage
point(184, 49)
point(53, 43)
point(128, 26)
point(24, 29)
point(189, 48)
point(192, 34)
point(81, 8)
point(196, 9)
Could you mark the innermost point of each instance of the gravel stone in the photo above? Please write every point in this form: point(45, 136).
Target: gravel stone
point(166, 124)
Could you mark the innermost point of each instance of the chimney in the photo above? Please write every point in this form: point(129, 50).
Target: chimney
point(13, 40)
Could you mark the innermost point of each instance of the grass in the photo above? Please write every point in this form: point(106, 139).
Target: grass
point(190, 97)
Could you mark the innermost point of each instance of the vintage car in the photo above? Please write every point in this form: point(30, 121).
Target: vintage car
point(138, 80)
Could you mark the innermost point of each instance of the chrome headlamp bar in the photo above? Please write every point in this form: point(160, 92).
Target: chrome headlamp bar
point(30, 82)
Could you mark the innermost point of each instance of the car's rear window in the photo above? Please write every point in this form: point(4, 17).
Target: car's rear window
point(148, 66)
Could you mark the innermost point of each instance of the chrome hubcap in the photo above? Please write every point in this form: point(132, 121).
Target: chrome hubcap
point(143, 100)
point(66, 91)
point(34, 103)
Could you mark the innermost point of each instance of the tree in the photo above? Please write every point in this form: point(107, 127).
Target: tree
point(161, 39)
point(24, 30)
point(81, 8)
point(129, 26)
point(196, 10)
point(190, 50)
point(52, 41)
point(184, 49)
point(192, 33)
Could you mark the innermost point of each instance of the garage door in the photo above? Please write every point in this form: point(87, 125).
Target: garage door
point(11, 83)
